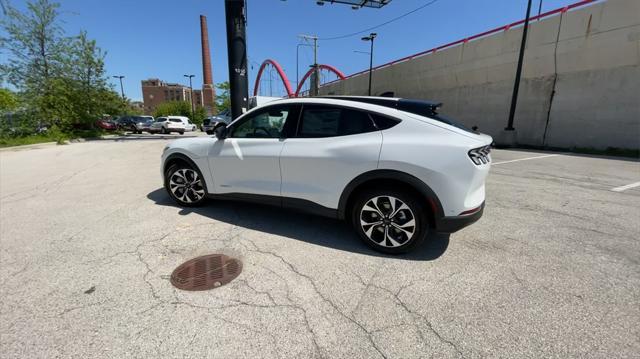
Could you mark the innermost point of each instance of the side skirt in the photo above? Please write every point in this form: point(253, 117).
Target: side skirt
point(297, 204)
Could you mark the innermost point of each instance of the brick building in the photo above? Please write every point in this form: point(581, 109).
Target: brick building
point(156, 91)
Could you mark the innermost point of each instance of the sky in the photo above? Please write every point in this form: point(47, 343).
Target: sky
point(161, 38)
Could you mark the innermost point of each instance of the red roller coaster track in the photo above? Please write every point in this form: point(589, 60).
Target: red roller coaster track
point(325, 67)
point(285, 79)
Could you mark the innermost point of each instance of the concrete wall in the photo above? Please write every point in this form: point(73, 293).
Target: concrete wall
point(590, 57)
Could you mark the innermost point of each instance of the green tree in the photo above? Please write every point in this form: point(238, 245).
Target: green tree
point(199, 115)
point(37, 49)
point(173, 108)
point(88, 78)
point(60, 79)
point(8, 100)
point(223, 102)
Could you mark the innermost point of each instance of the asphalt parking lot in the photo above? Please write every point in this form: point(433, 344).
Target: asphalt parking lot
point(89, 239)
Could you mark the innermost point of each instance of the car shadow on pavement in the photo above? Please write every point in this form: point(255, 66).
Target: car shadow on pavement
point(312, 229)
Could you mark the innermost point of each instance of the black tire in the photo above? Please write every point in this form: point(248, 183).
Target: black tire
point(164, 131)
point(192, 199)
point(391, 235)
point(181, 132)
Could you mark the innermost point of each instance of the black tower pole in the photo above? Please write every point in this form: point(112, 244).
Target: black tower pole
point(235, 11)
point(514, 97)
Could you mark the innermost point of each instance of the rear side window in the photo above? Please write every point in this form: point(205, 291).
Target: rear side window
point(330, 122)
point(384, 122)
point(175, 120)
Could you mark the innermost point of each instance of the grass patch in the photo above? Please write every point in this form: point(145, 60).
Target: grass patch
point(52, 136)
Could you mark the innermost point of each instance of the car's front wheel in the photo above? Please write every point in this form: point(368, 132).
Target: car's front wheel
point(185, 185)
point(390, 221)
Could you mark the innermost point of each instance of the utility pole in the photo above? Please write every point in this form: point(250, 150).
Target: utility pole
point(371, 37)
point(297, 56)
point(191, 94)
point(235, 12)
point(314, 77)
point(120, 77)
point(514, 97)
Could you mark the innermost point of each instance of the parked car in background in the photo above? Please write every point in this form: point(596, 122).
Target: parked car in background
point(126, 123)
point(169, 124)
point(107, 124)
point(143, 123)
point(190, 126)
point(396, 169)
point(209, 123)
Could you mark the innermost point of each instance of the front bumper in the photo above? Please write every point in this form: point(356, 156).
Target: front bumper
point(455, 223)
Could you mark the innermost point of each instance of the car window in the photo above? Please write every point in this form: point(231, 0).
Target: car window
point(330, 122)
point(161, 119)
point(320, 122)
point(264, 124)
point(175, 120)
point(383, 122)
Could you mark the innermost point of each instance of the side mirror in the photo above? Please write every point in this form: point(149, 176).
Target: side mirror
point(220, 130)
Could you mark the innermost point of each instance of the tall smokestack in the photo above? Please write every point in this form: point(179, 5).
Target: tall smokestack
point(206, 54)
point(208, 90)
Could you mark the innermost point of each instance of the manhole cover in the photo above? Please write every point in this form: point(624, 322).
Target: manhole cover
point(206, 272)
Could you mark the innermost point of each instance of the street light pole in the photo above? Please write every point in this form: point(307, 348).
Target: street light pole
point(120, 77)
point(371, 37)
point(516, 86)
point(191, 95)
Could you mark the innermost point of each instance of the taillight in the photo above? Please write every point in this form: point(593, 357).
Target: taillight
point(480, 155)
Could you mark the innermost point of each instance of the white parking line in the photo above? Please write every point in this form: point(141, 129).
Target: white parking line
point(626, 187)
point(524, 159)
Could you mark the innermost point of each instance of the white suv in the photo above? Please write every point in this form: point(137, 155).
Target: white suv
point(394, 168)
point(170, 124)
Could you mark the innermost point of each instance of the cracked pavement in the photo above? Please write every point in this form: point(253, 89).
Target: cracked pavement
point(88, 240)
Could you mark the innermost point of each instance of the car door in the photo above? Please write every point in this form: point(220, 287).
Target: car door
point(247, 161)
point(332, 146)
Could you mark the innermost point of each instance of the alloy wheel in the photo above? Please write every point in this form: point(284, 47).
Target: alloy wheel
point(387, 221)
point(186, 185)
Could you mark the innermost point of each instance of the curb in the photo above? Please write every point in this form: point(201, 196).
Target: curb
point(47, 144)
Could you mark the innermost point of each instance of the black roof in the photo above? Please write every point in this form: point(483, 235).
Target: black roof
point(403, 104)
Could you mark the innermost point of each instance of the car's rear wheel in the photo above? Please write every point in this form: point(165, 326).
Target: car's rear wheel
point(164, 131)
point(181, 132)
point(390, 221)
point(185, 185)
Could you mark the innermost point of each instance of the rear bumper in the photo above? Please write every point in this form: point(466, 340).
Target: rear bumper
point(455, 223)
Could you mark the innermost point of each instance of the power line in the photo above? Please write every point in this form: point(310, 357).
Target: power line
point(379, 25)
